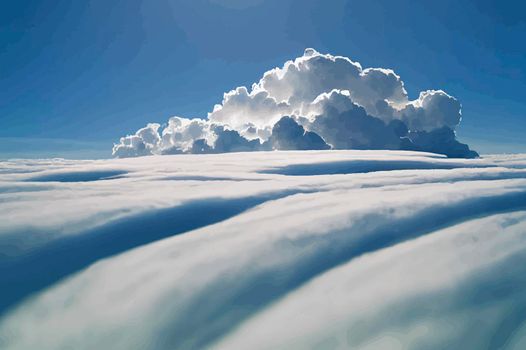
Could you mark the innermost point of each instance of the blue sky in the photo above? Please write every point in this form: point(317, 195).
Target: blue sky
point(75, 76)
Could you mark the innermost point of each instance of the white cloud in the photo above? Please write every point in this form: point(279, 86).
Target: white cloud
point(432, 110)
point(180, 134)
point(348, 106)
point(346, 125)
point(424, 293)
point(316, 255)
point(144, 142)
point(241, 109)
point(300, 81)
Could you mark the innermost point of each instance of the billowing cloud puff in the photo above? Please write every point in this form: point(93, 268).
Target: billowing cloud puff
point(142, 143)
point(432, 110)
point(440, 141)
point(346, 125)
point(331, 101)
point(300, 81)
point(241, 109)
point(230, 141)
point(287, 134)
point(179, 135)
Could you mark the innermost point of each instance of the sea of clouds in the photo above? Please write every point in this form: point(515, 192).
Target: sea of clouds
point(264, 250)
point(314, 102)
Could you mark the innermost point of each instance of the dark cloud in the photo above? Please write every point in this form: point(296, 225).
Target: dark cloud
point(287, 134)
point(352, 128)
point(231, 141)
point(441, 141)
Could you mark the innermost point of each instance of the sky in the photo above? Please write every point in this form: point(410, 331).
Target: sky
point(76, 76)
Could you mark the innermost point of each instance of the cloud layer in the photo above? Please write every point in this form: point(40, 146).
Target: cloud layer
point(264, 250)
point(333, 99)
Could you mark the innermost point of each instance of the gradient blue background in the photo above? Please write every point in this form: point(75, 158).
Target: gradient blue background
point(77, 75)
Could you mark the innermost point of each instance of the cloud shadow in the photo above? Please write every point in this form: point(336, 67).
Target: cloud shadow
point(363, 166)
point(79, 176)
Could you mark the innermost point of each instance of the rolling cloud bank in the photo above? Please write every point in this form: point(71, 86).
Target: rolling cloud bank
point(264, 250)
point(315, 102)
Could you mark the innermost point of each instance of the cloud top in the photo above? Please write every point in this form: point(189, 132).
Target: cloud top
point(276, 250)
point(320, 101)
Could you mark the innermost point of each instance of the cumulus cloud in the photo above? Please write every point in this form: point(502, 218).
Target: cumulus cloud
point(287, 134)
point(432, 110)
point(241, 109)
point(346, 125)
point(300, 81)
point(440, 140)
point(331, 97)
point(180, 133)
point(144, 142)
point(231, 141)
